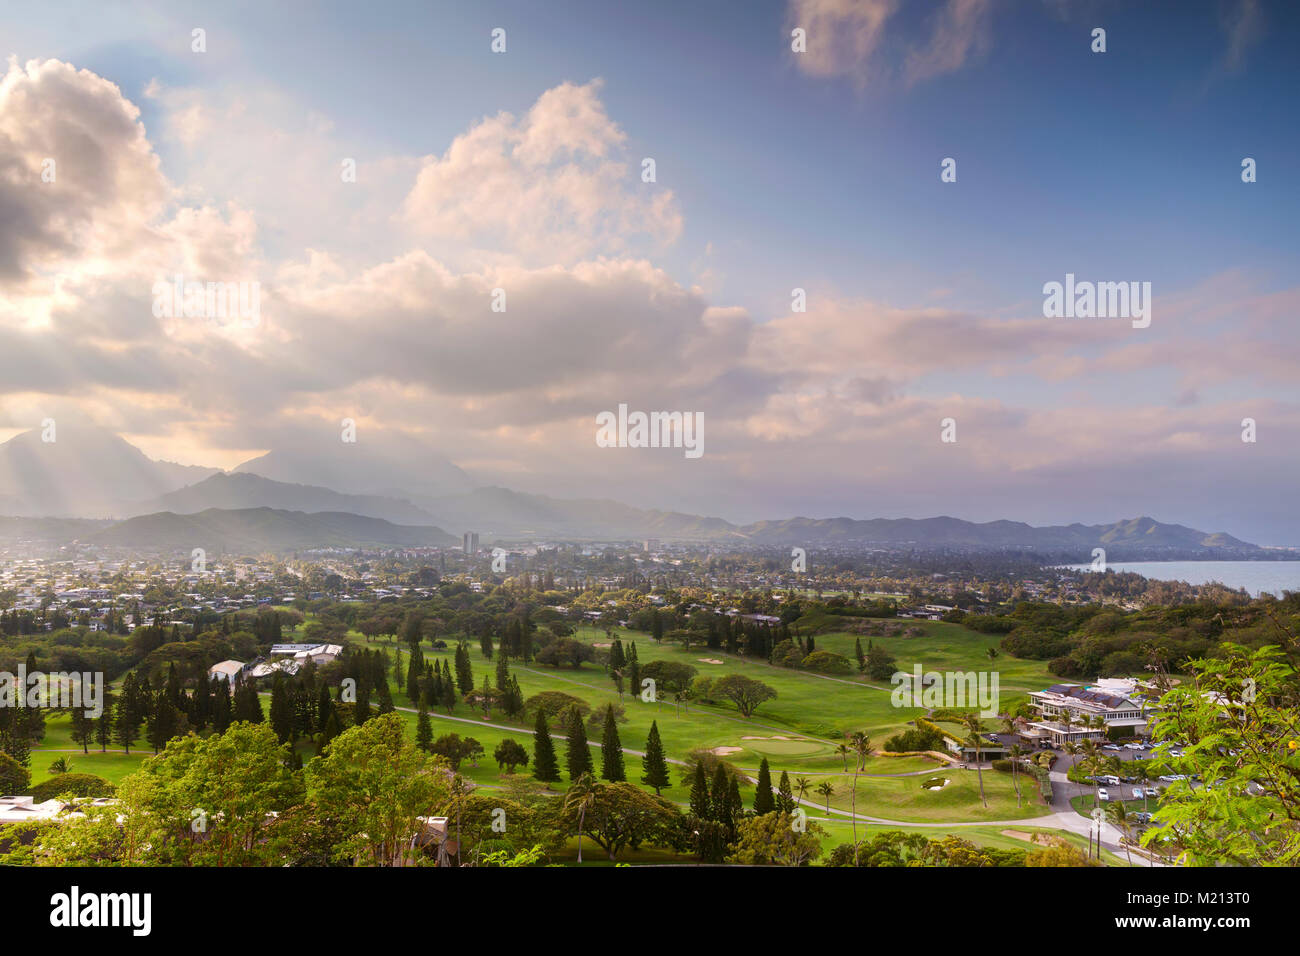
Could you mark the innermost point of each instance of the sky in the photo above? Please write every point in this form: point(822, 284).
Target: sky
point(775, 170)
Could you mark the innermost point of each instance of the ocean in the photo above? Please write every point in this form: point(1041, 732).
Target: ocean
point(1255, 576)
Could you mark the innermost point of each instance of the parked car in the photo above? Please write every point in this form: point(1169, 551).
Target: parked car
point(1111, 779)
point(1152, 792)
point(1109, 747)
point(1103, 794)
point(1137, 793)
point(1134, 747)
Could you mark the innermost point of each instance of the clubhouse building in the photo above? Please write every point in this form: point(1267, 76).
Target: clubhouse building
point(1069, 713)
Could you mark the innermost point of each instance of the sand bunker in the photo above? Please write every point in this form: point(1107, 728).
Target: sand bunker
point(726, 751)
point(602, 645)
point(773, 737)
point(1040, 839)
point(702, 660)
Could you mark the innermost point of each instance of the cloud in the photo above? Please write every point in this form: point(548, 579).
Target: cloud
point(549, 186)
point(832, 411)
point(106, 188)
point(961, 31)
point(847, 38)
point(1243, 26)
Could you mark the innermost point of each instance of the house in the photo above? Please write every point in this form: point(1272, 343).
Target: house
point(25, 809)
point(302, 653)
point(228, 671)
point(1072, 712)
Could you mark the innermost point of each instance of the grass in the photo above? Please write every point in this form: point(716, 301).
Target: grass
point(817, 710)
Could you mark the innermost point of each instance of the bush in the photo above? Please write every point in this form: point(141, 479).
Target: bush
point(73, 784)
point(14, 778)
point(826, 662)
point(910, 741)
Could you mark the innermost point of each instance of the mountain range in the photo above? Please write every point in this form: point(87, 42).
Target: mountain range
point(394, 492)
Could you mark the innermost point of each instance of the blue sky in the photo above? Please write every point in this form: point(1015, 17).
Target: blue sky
point(821, 173)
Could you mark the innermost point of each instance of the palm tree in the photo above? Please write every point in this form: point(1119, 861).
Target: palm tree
point(1016, 753)
point(460, 788)
point(1092, 764)
point(861, 745)
point(61, 765)
point(801, 786)
point(581, 796)
point(843, 751)
point(1066, 717)
point(827, 791)
point(1123, 821)
point(972, 722)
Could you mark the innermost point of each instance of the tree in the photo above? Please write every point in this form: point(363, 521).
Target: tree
point(774, 840)
point(246, 705)
point(826, 789)
point(579, 799)
point(801, 787)
point(1123, 822)
point(129, 715)
point(83, 729)
point(784, 795)
point(578, 753)
point(621, 816)
point(464, 673)
point(424, 731)
point(611, 750)
point(1237, 715)
point(763, 799)
point(377, 786)
point(510, 754)
point(14, 777)
point(104, 725)
point(745, 692)
point(860, 744)
point(545, 766)
point(281, 713)
point(700, 804)
point(976, 740)
point(654, 764)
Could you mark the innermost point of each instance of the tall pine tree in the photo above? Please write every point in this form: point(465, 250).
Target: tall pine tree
point(763, 799)
point(654, 764)
point(611, 750)
point(545, 767)
point(578, 756)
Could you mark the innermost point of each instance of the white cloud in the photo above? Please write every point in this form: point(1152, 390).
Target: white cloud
point(551, 186)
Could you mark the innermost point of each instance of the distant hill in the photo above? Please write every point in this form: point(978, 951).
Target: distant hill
point(1137, 534)
point(238, 491)
point(505, 513)
point(85, 472)
point(258, 530)
point(49, 530)
point(391, 465)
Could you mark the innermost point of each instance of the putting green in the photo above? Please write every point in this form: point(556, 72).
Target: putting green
point(785, 748)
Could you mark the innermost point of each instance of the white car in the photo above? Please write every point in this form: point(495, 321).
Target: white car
point(1137, 793)
point(1109, 747)
point(1152, 792)
point(1134, 747)
point(1103, 794)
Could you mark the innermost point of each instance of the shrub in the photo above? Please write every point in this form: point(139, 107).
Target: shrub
point(826, 662)
point(73, 784)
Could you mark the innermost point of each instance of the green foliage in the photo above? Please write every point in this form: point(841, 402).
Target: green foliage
point(72, 785)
